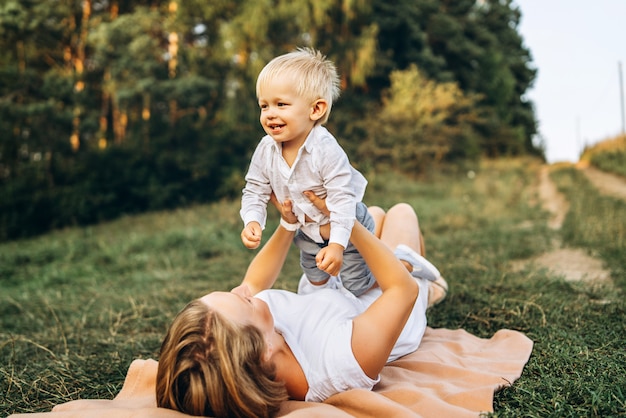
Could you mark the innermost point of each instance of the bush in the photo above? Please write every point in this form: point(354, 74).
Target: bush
point(420, 124)
point(102, 185)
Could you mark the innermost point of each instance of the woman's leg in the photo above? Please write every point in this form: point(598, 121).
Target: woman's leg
point(378, 214)
point(402, 227)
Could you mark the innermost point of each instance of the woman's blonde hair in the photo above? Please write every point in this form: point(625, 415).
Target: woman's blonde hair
point(314, 76)
point(210, 366)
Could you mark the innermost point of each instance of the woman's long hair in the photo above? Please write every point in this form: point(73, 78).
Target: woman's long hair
point(210, 366)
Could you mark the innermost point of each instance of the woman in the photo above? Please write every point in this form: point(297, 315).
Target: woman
point(242, 353)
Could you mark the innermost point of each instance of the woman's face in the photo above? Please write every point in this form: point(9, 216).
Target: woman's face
point(241, 307)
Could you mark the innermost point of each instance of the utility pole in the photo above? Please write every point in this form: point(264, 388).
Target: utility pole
point(579, 146)
point(621, 96)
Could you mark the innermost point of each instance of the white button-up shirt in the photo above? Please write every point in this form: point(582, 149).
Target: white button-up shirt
point(321, 166)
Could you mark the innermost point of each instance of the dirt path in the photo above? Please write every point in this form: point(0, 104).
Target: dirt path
point(573, 264)
point(607, 183)
point(551, 200)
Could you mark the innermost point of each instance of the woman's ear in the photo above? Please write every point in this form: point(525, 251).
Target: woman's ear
point(269, 351)
point(318, 110)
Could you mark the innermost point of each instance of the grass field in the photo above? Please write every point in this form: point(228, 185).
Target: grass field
point(608, 155)
point(77, 305)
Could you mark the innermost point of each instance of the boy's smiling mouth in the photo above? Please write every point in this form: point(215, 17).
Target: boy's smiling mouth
point(275, 127)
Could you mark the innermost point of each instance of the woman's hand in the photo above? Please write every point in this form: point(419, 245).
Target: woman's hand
point(285, 209)
point(320, 204)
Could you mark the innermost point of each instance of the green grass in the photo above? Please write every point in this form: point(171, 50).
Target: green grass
point(595, 222)
point(613, 162)
point(78, 305)
point(608, 155)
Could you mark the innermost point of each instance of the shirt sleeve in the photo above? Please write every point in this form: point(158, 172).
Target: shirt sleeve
point(341, 197)
point(257, 191)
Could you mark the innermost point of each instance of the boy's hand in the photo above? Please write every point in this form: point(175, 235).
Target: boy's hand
point(251, 235)
point(330, 259)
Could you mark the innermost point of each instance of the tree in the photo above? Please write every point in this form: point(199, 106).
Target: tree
point(473, 43)
point(112, 106)
point(420, 124)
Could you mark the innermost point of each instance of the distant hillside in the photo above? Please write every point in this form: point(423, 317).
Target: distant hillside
point(608, 155)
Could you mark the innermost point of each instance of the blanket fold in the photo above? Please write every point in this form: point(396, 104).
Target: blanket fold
point(453, 373)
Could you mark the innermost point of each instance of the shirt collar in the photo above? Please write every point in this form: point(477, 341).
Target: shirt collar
point(314, 135)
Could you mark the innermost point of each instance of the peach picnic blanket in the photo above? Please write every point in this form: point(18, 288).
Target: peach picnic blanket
point(453, 373)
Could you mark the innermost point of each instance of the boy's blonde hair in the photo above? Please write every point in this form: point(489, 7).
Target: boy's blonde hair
point(210, 366)
point(314, 76)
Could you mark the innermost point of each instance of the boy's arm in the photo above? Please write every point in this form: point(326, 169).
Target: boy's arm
point(257, 191)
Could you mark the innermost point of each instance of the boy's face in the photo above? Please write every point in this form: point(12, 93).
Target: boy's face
point(285, 116)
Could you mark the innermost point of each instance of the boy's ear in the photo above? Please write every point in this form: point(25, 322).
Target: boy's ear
point(318, 110)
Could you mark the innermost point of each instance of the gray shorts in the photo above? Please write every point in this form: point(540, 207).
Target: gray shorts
point(355, 275)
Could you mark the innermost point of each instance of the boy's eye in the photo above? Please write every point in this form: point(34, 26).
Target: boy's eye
point(280, 104)
point(263, 106)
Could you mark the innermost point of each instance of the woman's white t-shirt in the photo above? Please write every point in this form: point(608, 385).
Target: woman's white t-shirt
point(318, 329)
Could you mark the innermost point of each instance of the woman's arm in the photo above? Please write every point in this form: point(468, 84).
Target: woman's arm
point(267, 264)
point(376, 330)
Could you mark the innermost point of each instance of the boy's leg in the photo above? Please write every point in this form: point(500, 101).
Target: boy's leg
point(308, 250)
point(355, 275)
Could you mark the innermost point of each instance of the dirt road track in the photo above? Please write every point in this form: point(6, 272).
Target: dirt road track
point(551, 200)
point(606, 183)
point(572, 263)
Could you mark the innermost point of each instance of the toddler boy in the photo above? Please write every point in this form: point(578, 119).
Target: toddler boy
point(296, 93)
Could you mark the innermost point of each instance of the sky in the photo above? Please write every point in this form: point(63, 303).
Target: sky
point(577, 47)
